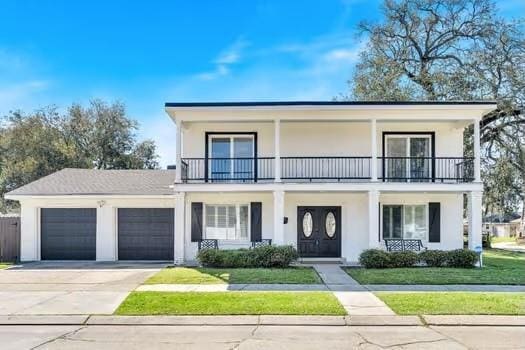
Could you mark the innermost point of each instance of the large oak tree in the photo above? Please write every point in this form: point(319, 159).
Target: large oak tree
point(455, 50)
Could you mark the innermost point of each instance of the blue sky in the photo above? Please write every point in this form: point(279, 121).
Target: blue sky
point(145, 53)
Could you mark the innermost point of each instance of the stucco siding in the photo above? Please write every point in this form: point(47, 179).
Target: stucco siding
point(348, 138)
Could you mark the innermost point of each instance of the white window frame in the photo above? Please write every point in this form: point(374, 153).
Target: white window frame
point(237, 222)
point(231, 156)
point(407, 138)
point(403, 205)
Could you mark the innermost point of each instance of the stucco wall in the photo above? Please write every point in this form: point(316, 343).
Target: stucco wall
point(323, 138)
point(106, 221)
point(354, 219)
point(228, 198)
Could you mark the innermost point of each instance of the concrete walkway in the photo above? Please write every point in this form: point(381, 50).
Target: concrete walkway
point(510, 246)
point(444, 288)
point(355, 298)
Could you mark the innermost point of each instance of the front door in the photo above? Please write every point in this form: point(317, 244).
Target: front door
point(319, 232)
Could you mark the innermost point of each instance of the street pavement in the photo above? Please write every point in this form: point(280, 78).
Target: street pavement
point(260, 337)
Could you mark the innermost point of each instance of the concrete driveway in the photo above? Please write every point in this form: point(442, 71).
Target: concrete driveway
point(69, 288)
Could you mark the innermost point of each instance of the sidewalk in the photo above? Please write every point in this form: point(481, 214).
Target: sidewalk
point(330, 287)
point(443, 288)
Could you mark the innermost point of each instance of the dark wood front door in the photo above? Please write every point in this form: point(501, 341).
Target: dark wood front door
point(319, 232)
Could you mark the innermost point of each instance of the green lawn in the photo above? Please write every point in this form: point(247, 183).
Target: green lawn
point(230, 303)
point(185, 275)
point(454, 303)
point(4, 265)
point(500, 267)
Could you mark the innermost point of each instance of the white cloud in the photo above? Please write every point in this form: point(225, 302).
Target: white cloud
point(342, 55)
point(229, 56)
point(19, 94)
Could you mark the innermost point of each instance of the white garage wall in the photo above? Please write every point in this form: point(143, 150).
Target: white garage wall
point(106, 221)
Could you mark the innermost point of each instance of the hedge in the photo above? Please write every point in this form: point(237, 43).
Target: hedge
point(380, 259)
point(266, 256)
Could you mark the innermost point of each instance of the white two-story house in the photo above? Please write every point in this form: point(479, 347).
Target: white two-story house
point(330, 178)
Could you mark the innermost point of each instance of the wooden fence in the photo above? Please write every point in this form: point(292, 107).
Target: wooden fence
point(9, 239)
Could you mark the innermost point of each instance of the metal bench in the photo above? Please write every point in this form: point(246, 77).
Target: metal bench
point(261, 243)
point(402, 245)
point(208, 244)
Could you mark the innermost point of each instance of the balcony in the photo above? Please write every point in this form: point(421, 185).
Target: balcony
point(328, 169)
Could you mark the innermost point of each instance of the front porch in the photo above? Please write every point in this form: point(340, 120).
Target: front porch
point(325, 225)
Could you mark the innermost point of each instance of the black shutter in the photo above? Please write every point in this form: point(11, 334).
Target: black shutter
point(256, 221)
point(196, 221)
point(434, 222)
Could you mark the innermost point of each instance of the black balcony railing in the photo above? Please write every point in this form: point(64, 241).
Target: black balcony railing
point(236, 170)
point(325, 168)
point(426, 169)
point(328, 169)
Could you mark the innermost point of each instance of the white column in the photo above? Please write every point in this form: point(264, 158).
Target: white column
point(179, 228)
point(277, 149)
point(373, 219)
point(373, 149)
point(278, 217)
point(178, 152)
point(474, 219)
point(106, 241)
point(477, 152)
point(29, 232)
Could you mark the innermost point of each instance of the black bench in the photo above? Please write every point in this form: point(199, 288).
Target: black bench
point(261, 243)
point(402, 245)
point(208, 244)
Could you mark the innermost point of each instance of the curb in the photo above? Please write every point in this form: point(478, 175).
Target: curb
point(263, 320)
point(242, 320)
point(474, 320)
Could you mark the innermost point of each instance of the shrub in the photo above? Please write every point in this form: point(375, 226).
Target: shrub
point(274, 256)
point(461, 258)
point(434, 258)
point(267, 256)
point(403, 259)
point(374, 259)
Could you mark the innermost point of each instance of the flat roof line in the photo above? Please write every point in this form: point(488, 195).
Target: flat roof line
point(320, 103)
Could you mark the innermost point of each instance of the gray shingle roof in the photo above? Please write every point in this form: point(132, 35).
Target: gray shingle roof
point(101, 182)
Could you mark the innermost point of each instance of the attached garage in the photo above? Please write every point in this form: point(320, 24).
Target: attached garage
point(68, 233)
point(145, 233)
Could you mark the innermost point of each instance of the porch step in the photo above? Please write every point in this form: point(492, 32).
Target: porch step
point(321, 260)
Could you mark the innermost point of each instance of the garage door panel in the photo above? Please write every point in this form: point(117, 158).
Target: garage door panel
point(68, 233)
point(145, 233)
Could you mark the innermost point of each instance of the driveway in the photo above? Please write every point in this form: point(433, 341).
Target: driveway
point(69, 288)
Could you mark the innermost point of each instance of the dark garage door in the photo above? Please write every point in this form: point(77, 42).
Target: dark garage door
point(68, 234)
point(145, 234)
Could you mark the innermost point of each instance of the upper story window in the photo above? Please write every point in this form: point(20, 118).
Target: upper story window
point(231, 157)
point(408, 157)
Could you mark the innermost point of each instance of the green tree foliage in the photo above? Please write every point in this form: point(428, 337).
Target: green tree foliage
point(454, 50)
point(99, 136)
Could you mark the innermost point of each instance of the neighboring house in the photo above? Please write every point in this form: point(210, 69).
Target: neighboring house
point(331, 178)
point(503, 229)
